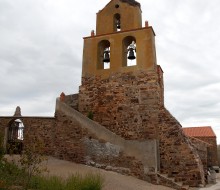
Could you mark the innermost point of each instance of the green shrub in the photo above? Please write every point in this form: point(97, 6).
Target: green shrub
point(46, 183)
point(74, 182)
point(10, 174)
point(90, 115)
point(89, 182)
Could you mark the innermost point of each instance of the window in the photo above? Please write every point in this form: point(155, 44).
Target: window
point(117, 22)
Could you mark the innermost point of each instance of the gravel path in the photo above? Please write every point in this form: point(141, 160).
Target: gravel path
point(112, 180)
point(215, 186)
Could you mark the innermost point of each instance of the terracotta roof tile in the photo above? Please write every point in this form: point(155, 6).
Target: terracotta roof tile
point(199, 131)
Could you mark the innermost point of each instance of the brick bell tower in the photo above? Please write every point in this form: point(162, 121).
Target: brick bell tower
point(122, 85)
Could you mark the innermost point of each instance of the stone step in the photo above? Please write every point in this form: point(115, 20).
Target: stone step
point(171, 182)
point(185, 187)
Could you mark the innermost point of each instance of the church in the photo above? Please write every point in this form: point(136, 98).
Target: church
point(118, 121)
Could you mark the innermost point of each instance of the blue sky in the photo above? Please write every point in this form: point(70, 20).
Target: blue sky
point(41, 54)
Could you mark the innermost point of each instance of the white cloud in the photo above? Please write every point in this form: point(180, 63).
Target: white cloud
point(41, 51)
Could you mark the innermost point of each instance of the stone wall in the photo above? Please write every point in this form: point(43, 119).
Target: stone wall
point(72, 100)
point(72, 136)
point(212, 150)
point(144, 151)
point(42, 127)
point(178, 158)
point(131, 105)
point(202, 149)
point(130, 120)
point(125, 103)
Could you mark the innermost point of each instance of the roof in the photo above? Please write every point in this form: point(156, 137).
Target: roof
point(132, 2)
point(199, 131)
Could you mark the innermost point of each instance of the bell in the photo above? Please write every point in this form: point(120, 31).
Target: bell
point(118, 25)
point(131, 55)
point(106, 58)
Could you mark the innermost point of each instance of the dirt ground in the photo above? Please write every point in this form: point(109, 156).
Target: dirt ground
point(215, 186)
point(112, 180)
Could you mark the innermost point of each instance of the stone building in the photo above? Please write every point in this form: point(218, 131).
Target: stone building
point(207, 135)
point(118, 120)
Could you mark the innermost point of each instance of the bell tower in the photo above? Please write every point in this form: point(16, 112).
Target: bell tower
point(120, 41)
point(121, 82)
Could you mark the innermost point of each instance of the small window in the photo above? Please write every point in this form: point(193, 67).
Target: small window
point(117, 6)
point(117, 22)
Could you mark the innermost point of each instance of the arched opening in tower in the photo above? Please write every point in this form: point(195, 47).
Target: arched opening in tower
point(129, 49)
point(103, 55)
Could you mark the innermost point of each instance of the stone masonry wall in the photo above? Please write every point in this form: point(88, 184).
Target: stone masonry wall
point(106, 150)
point(202, 148)
point(131, 105)
point(72, 100)
point(40, 127)
point(212, 150)
point(177, 156)
point(125, 103)
point(65, 139)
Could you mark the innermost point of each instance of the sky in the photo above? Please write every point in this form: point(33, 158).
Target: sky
point(41, 45)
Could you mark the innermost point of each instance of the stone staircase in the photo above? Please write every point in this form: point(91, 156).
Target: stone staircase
point(100, 131)
point(164, 179)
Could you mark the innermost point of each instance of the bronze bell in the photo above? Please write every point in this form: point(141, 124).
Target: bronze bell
point(118, 24)
point(106, 58)
point(131, 55)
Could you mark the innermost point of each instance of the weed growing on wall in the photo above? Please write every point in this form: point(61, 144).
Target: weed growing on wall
point(90, 115)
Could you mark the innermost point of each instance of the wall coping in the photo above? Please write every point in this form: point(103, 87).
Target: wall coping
point(24, 117)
